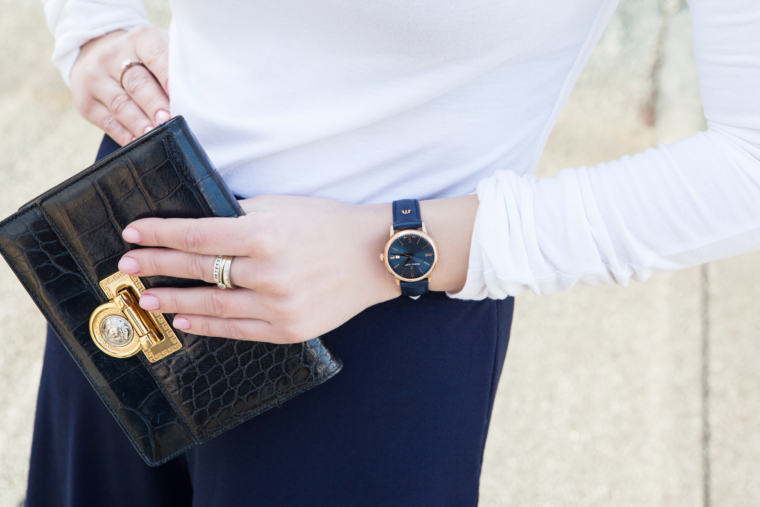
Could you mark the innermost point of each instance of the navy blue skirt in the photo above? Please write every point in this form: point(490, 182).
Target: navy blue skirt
point(404, 423)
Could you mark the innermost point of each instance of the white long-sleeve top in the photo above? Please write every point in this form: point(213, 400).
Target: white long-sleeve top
point(370, 101)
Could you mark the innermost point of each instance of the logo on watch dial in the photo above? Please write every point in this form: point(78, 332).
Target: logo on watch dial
point(411, 256)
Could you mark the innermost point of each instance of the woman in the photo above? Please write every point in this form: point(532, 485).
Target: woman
point(344, 108)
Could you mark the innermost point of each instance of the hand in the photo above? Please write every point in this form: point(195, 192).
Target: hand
point(129, 112)
point(292, 287)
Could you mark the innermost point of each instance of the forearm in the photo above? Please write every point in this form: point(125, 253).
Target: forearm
point(666, 209)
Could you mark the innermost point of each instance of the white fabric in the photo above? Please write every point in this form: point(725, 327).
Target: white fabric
point(370, 101)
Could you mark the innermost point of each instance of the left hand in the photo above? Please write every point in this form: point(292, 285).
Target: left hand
point(303, 266)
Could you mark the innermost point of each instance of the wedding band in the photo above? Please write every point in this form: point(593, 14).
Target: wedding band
point(125, 66)
point(226, 268)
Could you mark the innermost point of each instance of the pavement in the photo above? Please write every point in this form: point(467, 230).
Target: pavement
point(610, 397)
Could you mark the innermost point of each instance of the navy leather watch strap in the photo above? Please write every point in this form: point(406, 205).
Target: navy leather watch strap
point(406, 214)
point(414, 289)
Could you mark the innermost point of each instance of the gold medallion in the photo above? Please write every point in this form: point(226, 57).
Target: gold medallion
point(120, 328)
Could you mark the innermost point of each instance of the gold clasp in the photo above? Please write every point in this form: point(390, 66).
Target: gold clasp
point(120, 328)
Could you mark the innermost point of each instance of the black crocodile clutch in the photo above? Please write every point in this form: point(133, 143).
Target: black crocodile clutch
point(64, 243)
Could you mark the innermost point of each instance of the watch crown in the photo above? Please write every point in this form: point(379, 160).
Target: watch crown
point(382, 257)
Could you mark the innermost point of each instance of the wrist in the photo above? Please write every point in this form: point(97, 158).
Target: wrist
point(450, 223)
point(372, 224)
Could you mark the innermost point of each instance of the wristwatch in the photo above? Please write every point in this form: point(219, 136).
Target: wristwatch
point(411, 254)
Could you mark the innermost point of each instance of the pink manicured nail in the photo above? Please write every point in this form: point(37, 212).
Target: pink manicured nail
point(162, 116)
point(131, 235)
point(148, 302)
point(147, 129)
point(129, 266)
point(181, 323)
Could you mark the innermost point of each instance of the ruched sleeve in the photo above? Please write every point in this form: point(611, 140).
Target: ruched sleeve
point(74, 22)
point(668, 208)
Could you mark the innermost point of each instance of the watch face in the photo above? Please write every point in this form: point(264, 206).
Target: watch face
point(411, 256)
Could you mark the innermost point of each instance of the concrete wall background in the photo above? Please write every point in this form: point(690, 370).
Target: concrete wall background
point(610, 396)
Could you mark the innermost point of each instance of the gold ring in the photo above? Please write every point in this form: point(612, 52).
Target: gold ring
point(125, 66)
point(226, 268)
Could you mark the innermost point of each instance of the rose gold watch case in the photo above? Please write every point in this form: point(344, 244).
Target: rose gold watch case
point(409, 232)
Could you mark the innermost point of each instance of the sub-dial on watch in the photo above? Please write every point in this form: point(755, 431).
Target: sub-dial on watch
point(411, 254)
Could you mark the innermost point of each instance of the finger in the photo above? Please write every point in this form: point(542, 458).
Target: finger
point(237, 329)
point(99, 115)
point(209, 301)
point(168, 262)
point(152, 48)
point(145, 91)
point(129, 114)
point(207, 236)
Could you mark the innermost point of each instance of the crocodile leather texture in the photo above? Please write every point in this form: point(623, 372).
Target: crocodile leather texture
point(64, 242)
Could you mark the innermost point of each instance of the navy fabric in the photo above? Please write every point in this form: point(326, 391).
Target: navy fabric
point(404, 423)
point(107, 147)
point(410, 220)
point(80, 455)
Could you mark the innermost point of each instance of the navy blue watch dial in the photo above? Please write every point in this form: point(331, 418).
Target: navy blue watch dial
point(411, 256)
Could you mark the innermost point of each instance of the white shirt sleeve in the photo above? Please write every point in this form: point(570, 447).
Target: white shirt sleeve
point(74, 22)
point(669, 208)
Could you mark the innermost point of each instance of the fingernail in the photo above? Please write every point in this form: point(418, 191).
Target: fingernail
point(132, 140)
point(148, 302)
point(129, 266)
point(147, 129)
point(162, 116)
point(131, 235)
point(181, 323)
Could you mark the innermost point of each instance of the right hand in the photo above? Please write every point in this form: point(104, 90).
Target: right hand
point(129, 112)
